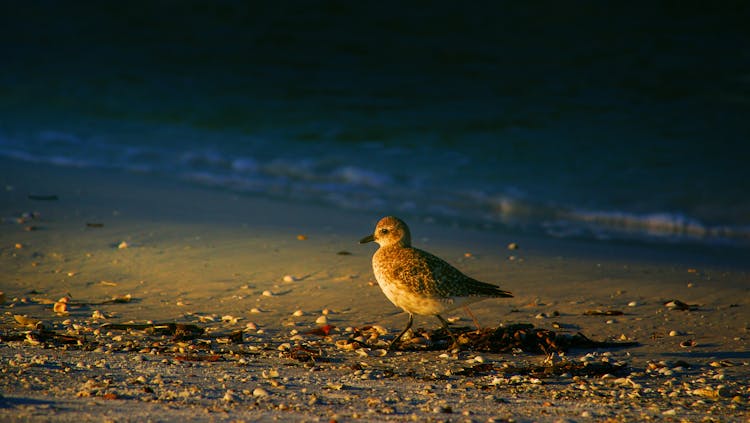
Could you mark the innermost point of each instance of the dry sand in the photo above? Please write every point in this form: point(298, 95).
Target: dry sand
point(274, 271)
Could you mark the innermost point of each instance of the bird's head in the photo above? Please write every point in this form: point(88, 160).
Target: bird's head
point(390, 230)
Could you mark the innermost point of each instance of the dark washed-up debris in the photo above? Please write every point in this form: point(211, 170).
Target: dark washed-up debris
point(679, 305)
point(504, 339)
point(603, 313)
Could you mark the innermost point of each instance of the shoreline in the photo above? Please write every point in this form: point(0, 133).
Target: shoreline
point(196, 256)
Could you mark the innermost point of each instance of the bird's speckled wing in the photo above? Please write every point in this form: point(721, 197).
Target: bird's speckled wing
point(433, 277)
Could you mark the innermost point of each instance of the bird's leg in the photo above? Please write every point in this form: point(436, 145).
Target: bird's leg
point(476, 322)
point(447, 329)
point(396, 339)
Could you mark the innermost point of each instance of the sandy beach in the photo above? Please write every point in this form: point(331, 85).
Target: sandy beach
point(278, 291)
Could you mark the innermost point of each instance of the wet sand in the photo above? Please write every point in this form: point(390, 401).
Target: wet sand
point(276, 273)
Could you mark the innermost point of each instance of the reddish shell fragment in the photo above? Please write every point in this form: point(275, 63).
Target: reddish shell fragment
point(322, 331)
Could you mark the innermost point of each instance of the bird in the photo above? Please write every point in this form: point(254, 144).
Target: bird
point(419, 282)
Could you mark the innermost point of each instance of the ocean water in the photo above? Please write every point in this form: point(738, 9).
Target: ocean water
point(596, 122)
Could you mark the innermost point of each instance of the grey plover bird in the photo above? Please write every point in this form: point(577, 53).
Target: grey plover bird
point(417, 281)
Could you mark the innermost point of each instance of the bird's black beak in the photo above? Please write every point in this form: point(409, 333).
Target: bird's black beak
point(368, 238)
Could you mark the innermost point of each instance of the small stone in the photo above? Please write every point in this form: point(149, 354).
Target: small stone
point(229, 396)
point(322, 320)
point(290, 278)
point(632, 304)
point(267, 293)
point(673, 333)
point(513, 246)
point(260, 392)
point(123, 245)
point(298, 313)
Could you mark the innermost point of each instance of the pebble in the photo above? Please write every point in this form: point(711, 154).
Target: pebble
point(229, 396)
point(632, 304)
point(673, 333)
point(123, 245)
point(260, 392)
point(290, 278)
point(267, 293)
point(322, 320)
point(298, 313)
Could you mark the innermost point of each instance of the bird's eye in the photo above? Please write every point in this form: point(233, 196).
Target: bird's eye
point(384, 231)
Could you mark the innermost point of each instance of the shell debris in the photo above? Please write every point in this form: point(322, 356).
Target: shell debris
point(61, 305)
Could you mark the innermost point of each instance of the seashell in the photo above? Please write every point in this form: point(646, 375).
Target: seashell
point(687, 344)
point(344, 344)
point(230, 319)
point(267, 293)
point(298, 313)
point(363, 352)
point(26, 321)
point(290, 278)
point(251, 326)
point(322, 320)
point(229, 396)
point(97, 315)
point(260, 392)
point(513, 246)
point(61, 306)
point(380, 329)
point(270, 374)
point(123, 245)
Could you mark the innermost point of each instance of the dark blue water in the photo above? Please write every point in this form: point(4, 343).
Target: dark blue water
point(586, 120)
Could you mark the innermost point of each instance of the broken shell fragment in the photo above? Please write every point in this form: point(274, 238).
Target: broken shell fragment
point(230, 319)
point(689, 343)
point(61, 306)
point(26, 321)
